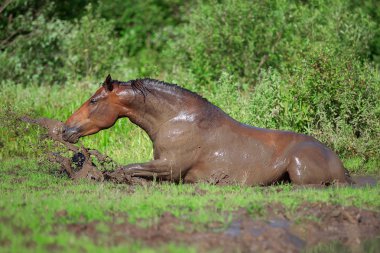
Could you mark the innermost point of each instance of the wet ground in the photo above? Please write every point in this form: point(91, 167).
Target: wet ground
point(308, 226)
point(84, 162)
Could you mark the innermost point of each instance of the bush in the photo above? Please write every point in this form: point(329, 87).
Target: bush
point(143, 25)
point(241, 38)
point(31, 49)
point(47, 51)
point(90, 49)
point(306, 66)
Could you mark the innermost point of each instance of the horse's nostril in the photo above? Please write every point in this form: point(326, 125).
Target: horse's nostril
point(70, 134)
point(67, 130)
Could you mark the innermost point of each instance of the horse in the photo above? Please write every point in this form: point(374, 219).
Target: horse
point(195, 141)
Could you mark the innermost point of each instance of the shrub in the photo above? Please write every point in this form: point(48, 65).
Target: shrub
point(30, 52)
point(143, 25)
point(305, 66)
point(90, 49)
point(241, 38)
point(46, 51)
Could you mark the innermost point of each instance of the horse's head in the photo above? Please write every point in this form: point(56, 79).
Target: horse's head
point(99, 112)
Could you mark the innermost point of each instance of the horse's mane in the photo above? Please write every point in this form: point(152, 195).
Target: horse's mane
point(146, 85)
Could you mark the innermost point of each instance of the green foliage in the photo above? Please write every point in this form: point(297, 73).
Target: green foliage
point(241, 37)
point(371, 8)
point(31, 50)
point(37, 50)
point(306, 66)
point(90, 48)
point(143, 25)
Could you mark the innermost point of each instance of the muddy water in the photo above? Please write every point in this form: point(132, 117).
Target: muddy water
point(270, 227)
point(363, 181)
point(281, 231)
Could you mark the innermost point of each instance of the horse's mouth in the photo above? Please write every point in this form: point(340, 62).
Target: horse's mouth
point(71, 136)
point(73, 139)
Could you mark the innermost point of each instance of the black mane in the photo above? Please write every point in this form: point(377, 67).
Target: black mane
point(145, 85)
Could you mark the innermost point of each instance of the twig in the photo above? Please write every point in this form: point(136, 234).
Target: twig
point(4, 5)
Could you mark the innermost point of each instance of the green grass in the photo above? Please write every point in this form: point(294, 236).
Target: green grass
point(124, 142)
point(321, 76)
point(32, 196)
point(370, 246)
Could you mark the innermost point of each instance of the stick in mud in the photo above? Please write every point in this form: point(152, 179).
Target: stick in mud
point(82, 158)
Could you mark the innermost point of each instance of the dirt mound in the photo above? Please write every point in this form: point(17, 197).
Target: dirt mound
point(309, 225)
point(84, 162)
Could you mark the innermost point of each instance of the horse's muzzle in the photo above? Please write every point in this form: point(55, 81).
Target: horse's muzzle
point(70, 134)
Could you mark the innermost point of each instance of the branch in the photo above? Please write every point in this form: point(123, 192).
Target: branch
point(4, 5)
point(11, 38)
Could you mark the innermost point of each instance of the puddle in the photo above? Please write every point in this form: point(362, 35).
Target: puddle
point(274, 234)
point(263, 230)
point(296, 241)
point(279, 223)
point(363, 181)
point(234, 229)
point(257, 231)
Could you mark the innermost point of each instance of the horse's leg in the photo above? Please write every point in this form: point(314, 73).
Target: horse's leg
point(156, 168)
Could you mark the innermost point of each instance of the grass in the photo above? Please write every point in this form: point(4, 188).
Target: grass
point(33, 194)
point(124, 142)
point(32, 198)
point(368, 246)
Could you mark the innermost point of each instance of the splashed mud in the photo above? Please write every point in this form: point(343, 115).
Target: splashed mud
point(82, 163)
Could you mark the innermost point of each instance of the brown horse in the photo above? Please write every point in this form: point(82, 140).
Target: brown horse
point(194, 140)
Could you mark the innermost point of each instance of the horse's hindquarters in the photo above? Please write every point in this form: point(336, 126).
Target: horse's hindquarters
point(313, 163)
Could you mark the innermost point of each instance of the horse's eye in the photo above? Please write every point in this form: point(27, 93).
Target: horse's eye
point(92, 101)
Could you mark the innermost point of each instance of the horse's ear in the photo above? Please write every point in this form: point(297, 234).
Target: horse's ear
point(108, 83)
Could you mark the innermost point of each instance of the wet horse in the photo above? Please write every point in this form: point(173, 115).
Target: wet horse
point(193, 140)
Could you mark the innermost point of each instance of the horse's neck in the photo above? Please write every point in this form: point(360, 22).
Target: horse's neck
point(156, 109)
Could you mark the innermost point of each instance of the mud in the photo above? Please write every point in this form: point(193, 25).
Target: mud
point(84, 162)
point(280, 231)
point(363, 181)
